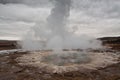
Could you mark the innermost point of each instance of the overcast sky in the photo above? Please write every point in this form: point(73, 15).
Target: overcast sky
point(91, 17)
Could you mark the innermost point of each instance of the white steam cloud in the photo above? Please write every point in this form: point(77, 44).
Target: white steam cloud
point(55, 33)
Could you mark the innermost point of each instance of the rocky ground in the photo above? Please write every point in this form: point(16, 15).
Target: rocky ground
point(11, 70)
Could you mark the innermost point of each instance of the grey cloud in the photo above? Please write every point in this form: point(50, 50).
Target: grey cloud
point(23, 13)
point(27, 2)
point(99, 8)
point(10, 1)
point(100, 15)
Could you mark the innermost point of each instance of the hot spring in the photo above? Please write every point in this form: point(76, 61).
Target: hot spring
point(66, 58)
point(55, 35)
point(66, 61)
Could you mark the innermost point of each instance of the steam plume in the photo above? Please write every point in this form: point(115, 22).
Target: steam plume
point(54, 34)
point(58, 17)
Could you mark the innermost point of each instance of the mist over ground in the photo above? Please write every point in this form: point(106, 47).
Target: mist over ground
point(56, 33)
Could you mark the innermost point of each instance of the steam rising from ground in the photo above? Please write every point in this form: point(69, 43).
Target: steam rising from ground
point(55, 34)
point(66, 58)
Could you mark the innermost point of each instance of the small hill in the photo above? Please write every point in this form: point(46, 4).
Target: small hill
point(6, 44)
point(112, 42)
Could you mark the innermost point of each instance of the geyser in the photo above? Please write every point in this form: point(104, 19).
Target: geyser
point(66, 58)
point(55, 33)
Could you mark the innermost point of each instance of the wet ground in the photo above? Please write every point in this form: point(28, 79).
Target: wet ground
point(11, 70)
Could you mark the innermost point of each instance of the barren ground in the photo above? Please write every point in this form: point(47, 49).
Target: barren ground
point(11, 70)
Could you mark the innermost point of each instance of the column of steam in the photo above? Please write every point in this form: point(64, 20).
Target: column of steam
point(58, 17)
point(56, 23)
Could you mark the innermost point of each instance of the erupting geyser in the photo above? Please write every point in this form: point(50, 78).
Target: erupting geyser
point(55, 34)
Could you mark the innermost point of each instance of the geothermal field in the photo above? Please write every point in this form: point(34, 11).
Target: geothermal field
point(76, 64)
point(53, 50)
